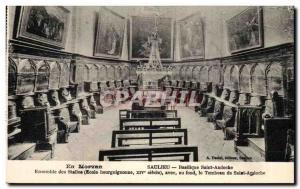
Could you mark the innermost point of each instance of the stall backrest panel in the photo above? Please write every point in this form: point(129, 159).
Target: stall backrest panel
point(79, 73)
point(275, 78)
point(204, 74)
point(245, 79)
point(42, 79)
point(234, 78)
point(259, 80)
point(110, 73)
point(196, 73)
point(214, 75)
point(54, 77)
point(93, 73)
point(12, 77)
point(125, 73)
point(227, 77)
point(26, 76)
point(64, 74)
point(102, 73)
point(86, 73)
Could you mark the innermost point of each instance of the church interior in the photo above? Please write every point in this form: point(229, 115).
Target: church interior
point(165, 83)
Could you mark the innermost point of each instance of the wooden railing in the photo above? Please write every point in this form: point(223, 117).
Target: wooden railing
point(149, 123)
point(146, 113)
point(166, 153)
point(148, 136)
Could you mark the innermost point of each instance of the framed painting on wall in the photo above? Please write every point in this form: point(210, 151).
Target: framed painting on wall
point(191, 39)
point(109, 34)
point(45, 25)
point(141, 29)
point(245, 30)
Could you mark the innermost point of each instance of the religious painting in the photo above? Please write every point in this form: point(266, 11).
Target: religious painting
point(192, 42)
point(46, 25)
point(141, 30)
point(109, 34)
point(245, 30)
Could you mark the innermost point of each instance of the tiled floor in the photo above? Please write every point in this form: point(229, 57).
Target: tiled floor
point(85, 146)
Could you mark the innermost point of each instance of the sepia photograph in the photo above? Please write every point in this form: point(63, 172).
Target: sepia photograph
point(142, 84)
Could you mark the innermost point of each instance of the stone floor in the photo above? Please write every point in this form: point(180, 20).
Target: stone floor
point(85, 146)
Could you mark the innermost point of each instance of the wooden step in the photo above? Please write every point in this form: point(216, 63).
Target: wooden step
point(20, 151)
point(257, 144)
point(247, 153)
point(40, 155)
point(13, 133)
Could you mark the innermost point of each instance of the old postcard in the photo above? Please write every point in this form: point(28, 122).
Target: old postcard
point(178, 94)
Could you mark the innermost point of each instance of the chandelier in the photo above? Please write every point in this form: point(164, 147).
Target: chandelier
point(151, 74)
point(154, 62)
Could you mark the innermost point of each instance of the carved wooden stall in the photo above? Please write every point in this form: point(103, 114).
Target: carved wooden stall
point(227, 117)
point(118, 78)
point(263, 127)
point(91, 89)
point(94, 90)
point(102, 77)
point(189, 84)
point(91, 78)
point(207, 104)
point(14, 128)
point(37, 130)
point(82, 98)
point(64, 82)
point(125, 77)
point(196, 85)
point(217, 90)
point(275, 123)
point(62, 102)
point(111, 87)
point(77, 79)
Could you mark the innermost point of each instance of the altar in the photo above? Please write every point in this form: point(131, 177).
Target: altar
point(151, 79)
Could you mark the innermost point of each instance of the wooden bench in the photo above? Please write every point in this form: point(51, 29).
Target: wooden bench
point(149, 123)
point(149, 137)
point(124, 113)
point(166, 153)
